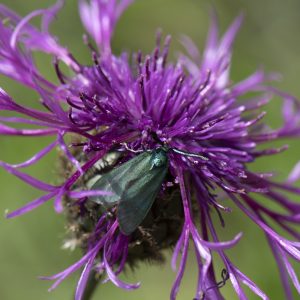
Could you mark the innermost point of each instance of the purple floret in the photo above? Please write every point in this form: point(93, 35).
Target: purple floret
point(190, 105)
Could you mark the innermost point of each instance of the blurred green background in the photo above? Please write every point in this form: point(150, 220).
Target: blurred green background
point(31, 244)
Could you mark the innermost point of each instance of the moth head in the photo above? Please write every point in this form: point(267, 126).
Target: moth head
point(159, 158)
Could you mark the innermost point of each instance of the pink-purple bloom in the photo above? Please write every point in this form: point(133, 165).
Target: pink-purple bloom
point(116, 102)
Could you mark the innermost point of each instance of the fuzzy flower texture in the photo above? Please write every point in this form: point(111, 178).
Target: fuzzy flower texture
point(113, 107)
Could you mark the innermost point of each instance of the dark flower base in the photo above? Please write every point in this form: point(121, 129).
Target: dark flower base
point(159, 231)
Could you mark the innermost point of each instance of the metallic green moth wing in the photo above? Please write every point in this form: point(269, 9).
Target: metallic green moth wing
point(115, 180)
point(141, 191)
point(135, 185)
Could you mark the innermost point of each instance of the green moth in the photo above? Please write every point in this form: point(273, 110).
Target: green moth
point(134, 186)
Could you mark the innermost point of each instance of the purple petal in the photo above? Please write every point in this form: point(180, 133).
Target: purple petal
point(36, 157)
point(82, 194)
point(282, 270)
point(229, 36)
point(183, 261)
point(5, 130)
point(295, 174)
point(22, 23)
point(290, 271)
point(115, 280)
point(27, 178)
point(68, 154)
point(177, 249)
point(223, 245)
point(30, 206)
point(84, 278)
point(99, 19)
point(58, 201)
point(252, 285)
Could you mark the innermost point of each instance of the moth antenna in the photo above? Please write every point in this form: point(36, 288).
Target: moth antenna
point(189, 154)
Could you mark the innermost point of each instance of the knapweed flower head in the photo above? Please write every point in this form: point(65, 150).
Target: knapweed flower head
point(115, 109)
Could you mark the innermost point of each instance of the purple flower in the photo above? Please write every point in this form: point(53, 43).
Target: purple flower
point(116, 103)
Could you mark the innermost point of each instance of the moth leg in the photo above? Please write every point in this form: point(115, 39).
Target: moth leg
point(130, 149)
